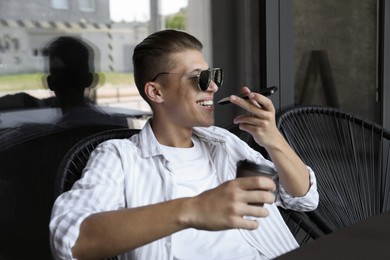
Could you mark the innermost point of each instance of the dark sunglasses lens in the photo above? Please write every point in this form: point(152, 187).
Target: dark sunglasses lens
point(218, 77)
point(204, 79)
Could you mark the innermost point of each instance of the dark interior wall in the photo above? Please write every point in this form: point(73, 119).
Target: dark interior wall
point(346, 33)
point(235, 44)
point(224, 45)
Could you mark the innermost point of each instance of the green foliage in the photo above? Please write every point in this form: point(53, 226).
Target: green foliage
point(177, 21)
point(20, 82)
point(116, 79)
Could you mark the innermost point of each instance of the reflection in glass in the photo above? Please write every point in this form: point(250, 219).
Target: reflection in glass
point(336, 55)
point(114, 27)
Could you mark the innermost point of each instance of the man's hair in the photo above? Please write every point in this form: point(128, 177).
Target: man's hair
point(152, 55)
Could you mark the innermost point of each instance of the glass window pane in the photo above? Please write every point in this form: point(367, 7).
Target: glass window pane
point(336, 54)
point(87, 5)
point(111, 29)
point(60, 4)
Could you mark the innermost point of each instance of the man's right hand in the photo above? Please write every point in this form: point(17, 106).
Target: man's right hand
point(225, 206)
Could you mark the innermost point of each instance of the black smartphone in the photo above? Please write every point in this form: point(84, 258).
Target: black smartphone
point(266, 92)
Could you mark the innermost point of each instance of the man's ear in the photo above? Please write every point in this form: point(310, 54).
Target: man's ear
point(50, 82)
point(88, 80)
point(153, 92)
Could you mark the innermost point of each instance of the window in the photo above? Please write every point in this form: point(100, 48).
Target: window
point(87, 5)
point(60, 4)
point(110, 28)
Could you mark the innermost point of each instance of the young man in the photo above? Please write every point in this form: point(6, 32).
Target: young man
point(170, 192)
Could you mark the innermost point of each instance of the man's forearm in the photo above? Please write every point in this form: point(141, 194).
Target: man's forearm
point(111, 233)
point(292, 171)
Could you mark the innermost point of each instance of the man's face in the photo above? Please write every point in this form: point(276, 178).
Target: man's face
point(185, 103)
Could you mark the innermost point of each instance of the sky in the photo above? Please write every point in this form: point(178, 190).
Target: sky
point(138, 10)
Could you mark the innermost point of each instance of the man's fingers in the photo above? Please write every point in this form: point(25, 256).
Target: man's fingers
point(248, 224)
point(253, 211)
point(257, 183)
point(260, 197)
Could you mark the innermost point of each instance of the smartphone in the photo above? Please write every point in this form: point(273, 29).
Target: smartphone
point(266, 92)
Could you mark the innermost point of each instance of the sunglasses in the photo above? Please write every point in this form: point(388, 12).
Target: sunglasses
point(204, 77)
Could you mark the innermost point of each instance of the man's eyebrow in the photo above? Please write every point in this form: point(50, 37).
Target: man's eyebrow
point(196, 70)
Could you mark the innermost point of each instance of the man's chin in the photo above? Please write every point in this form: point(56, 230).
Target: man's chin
point(207, 124)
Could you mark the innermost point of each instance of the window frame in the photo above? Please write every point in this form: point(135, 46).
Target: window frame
point(60, 4)
point(87, 5)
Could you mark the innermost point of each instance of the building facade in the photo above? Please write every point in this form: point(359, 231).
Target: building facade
point(27, 27)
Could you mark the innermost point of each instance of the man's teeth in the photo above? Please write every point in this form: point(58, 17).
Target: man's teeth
point(205, 103)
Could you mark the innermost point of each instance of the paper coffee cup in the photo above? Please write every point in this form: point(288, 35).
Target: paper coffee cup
point(247, 168)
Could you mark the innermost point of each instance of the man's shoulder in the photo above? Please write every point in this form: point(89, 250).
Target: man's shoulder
point(211, 130)
point(214, 132)
point(121, 143)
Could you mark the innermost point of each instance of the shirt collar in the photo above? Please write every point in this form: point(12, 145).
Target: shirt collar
point(209, 134)
point(148, 142)
point(150, 146)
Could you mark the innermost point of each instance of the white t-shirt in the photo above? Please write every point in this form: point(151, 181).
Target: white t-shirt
point(194, 173)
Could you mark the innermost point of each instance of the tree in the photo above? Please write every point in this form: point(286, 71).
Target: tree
point(177, 21)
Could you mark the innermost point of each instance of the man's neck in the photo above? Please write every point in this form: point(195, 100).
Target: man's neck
point(171, 135)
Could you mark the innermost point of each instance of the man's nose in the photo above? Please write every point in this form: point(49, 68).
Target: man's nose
point(212, 87)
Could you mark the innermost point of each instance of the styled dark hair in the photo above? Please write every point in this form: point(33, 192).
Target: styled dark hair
point(152, 55)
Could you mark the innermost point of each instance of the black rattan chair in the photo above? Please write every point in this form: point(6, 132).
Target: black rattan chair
point(29, 158)
point(76, 158)
point(301, 226)
point(350, 157)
